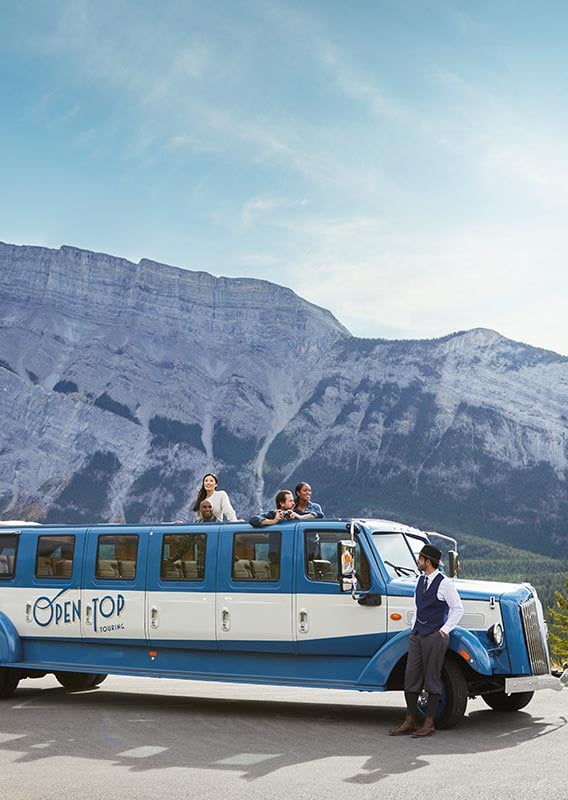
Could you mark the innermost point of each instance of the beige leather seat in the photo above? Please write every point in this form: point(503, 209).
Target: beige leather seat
point(261, 570)
point(190, 570)
point(172, 572)
point(44, 567)
point(127, 569)
point(242, 570)
point(63, 568)
point(107, 568)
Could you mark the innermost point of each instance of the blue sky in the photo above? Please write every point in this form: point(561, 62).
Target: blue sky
point(403, 163)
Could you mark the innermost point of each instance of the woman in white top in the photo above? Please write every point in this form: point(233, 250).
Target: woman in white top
point(222, 508)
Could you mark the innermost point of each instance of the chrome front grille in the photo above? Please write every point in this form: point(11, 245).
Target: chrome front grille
point(534, 637)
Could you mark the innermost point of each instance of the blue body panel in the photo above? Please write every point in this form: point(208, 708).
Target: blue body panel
point(10, 643)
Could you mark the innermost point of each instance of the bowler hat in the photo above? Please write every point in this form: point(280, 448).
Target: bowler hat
point(432, 552)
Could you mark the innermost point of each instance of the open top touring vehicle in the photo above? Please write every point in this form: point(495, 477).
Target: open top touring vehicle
point(322, 603)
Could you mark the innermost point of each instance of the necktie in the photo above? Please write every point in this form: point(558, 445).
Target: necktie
point(425, 584)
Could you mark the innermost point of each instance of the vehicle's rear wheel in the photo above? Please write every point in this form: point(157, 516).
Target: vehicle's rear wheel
point(453, 700)
point(100, 678)
point(499, 701)
point(9, 680)
point(78, 681)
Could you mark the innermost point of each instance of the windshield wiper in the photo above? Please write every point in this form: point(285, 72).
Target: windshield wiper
point(401, 570)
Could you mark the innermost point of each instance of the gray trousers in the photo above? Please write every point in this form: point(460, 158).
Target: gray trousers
point(424, 665)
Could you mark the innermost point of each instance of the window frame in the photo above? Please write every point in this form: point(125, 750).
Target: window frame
point(362, 565)
point(98, 559)
point(69, 538)
point(183, 577)
point(6, 576)
point(257, 537)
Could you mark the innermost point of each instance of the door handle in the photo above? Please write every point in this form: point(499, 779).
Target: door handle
point(28, 612)
point(88, 615)
point(226, 619)
point(303, 622)
point(154, 621)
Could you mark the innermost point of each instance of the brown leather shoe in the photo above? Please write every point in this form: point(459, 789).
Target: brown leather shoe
point(426, 729)
point(405, 728)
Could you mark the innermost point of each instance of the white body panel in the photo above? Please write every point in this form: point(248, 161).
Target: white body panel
point(186, 616)
point(243, 616)
point(42, 612)
point(324, 616)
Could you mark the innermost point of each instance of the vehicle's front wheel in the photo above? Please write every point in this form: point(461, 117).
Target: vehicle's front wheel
point(453, 700)
point(78, 681)
point(499, 701)
point(9, 680)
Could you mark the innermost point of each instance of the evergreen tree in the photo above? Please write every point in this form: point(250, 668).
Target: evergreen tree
point(558, 638)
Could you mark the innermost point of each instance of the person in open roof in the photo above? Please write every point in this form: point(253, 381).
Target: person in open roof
point(283, 512)
point(305, 507)
point(219, 499)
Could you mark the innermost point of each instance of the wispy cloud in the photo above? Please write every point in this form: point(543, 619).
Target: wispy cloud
point(391, 164)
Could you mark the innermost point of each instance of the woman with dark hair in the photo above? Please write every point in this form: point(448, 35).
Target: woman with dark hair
point(304, 507)
point(222, 508)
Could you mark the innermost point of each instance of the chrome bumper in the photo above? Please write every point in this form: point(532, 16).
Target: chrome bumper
point(532, 683)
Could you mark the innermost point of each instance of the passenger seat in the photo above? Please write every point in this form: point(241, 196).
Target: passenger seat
point(44, 567)
point(242, 570)
point(261, 570)
point(127, 569)
point(107, 568)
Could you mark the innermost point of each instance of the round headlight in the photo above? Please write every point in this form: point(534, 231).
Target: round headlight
point(495, 633)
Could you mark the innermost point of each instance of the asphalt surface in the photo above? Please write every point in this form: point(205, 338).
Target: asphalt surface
point(143, 738)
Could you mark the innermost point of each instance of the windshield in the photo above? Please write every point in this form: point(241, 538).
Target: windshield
point(397, 553)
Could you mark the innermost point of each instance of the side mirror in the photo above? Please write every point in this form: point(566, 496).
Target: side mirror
point(453, 563)
point(346, 561)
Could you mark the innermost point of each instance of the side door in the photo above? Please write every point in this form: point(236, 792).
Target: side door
point(180, 602)
point(46, 596)
point(114, 585)
point(328, 621)
point(254, 594)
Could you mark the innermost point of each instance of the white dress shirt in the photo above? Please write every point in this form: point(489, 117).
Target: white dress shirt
point(448, 594)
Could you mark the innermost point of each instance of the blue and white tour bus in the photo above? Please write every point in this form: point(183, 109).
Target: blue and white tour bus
point(321, 603)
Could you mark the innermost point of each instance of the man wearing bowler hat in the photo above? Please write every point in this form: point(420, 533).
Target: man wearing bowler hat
point(437, 611)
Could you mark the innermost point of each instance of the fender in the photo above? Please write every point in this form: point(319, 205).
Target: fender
point(379, 668)
point(10, 642)
point(479, 659)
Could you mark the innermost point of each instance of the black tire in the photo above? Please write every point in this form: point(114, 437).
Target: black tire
point(99, 679)
point(77, 681)
point(453, 701)
point(499, 701)
point(9, 680)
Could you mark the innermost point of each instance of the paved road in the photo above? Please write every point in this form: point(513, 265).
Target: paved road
point(137, 738)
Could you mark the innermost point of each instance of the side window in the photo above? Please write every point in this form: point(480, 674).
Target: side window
point(321, 563)
point(256, 556)
point(8, 549)
point(183, 557)
point(116, 556)
point(54, 556)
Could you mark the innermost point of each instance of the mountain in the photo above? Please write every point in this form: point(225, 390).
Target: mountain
point(121, 384)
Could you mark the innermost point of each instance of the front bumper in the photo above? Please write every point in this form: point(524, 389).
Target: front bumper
point(533, 683)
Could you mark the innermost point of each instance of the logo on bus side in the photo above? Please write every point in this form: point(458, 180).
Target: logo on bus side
point(48, 611)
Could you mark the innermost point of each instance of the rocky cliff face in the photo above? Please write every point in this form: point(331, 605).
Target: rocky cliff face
point(121, 384)
point(464, 433)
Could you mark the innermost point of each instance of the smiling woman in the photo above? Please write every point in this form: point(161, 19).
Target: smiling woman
point(220, 504)
point(305, 507)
